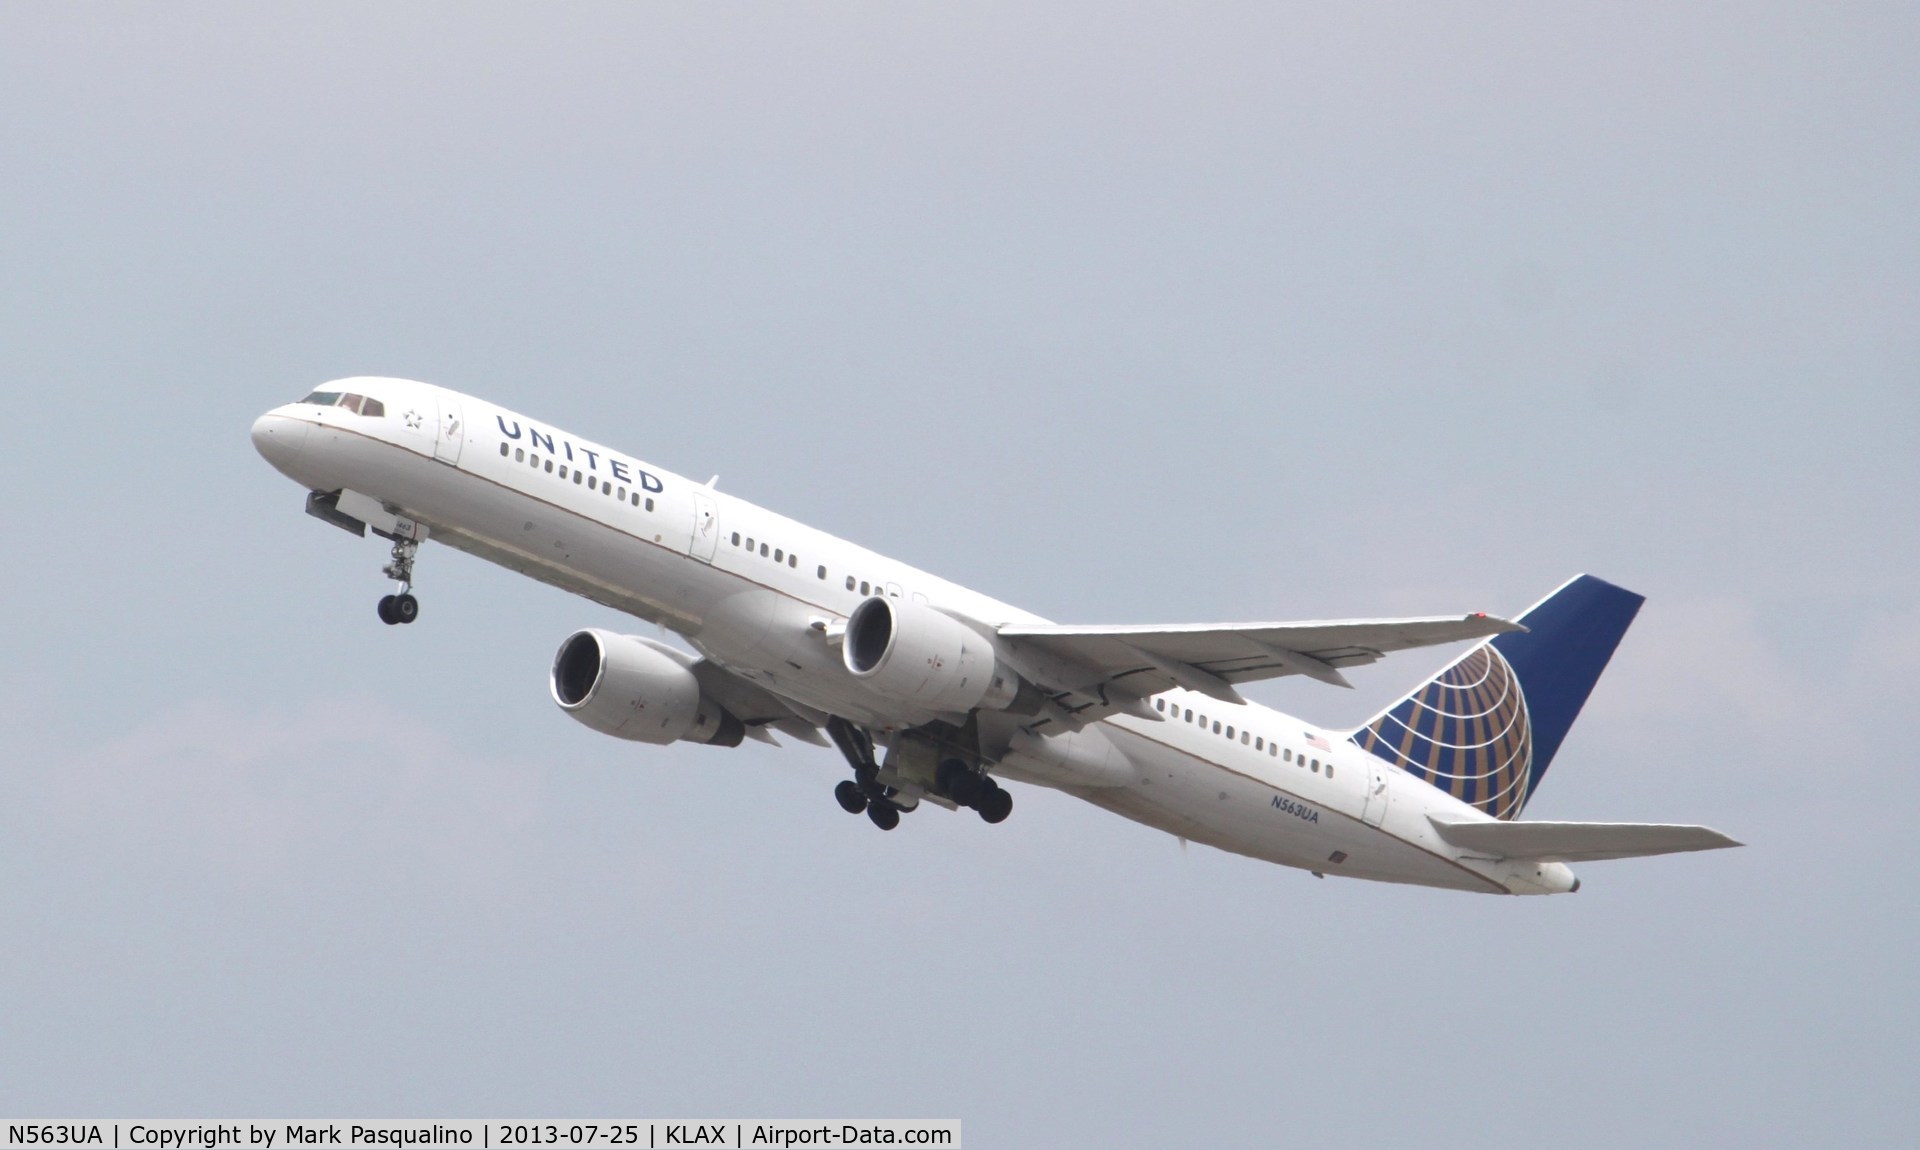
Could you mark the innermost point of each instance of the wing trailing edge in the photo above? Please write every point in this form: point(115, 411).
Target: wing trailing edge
point(1212, 658)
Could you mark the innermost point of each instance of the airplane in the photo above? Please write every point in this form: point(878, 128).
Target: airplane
point(935, 694)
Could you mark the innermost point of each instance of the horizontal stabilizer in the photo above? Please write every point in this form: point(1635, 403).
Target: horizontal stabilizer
point(1577, 842)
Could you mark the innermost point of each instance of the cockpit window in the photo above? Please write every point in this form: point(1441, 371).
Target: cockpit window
point(359, 404)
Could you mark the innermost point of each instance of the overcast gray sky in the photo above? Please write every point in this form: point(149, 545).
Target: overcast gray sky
point(1121, 312)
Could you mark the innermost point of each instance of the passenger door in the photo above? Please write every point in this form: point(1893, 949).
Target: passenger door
point(453, 432)
point(1375, 811)
point(706, 527)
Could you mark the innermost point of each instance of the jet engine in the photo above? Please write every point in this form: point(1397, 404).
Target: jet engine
point(638, 689)
point(915, 654)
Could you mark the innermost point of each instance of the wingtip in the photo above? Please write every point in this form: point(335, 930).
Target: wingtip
point(1500, 626)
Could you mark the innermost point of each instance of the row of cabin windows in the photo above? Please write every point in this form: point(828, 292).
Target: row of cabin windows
point(766, 550)
point(874, 588)
point(777, 554)
point(1247, 738)
point(605, 487)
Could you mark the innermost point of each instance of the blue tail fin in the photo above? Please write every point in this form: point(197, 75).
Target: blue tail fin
point(1485, 729)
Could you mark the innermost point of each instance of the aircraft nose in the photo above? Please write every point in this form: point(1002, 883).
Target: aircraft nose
point(278, 438)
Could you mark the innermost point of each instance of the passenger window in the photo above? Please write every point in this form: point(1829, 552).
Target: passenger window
point(1160, 705)
point(519, 455)
point(1229, 732)
point(1189, 714)
point(1216, 726)
point(1316, 766)
point(1329, 770)
point(578, 475)
point(1287, 756)
point(1273, 749)
point(863, 587)
point(736, 539)
point(749, 542)
point(779, 556)
point(849, 582)
point(823, 571)
point(636, 500)
point(1243, 738)
point(1259, 744)
point(621, 495)
point(649, 503)
point(503, 451)
point(563, 471)
point(793, 561)
point(763, 551)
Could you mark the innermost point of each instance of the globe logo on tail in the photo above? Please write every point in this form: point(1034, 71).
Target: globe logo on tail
point(1466, 732)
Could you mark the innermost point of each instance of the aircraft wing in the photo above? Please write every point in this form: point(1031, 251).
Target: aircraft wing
point(1210, 658)
point(1577, 842)
point(756, 707)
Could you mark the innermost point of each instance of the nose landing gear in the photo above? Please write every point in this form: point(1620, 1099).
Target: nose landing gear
point(398, 609)
point(403, 607)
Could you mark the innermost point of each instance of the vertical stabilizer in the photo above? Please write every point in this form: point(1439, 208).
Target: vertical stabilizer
point(1485, 729)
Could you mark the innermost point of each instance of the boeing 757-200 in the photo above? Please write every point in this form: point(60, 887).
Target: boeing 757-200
point(934, 694)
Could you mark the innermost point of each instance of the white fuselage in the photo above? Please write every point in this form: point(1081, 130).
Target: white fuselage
point(662, 548)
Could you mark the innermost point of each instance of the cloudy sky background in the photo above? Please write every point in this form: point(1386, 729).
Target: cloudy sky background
point(1121, 312)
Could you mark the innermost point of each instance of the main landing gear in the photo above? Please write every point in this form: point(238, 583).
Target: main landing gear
point(864, 792)
point(403, 607)
point(970, 788)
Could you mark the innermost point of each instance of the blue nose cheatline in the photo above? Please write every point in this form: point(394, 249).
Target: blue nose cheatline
point(278, 438)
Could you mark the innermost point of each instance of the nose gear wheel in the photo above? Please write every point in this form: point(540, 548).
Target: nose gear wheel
point(401, 607)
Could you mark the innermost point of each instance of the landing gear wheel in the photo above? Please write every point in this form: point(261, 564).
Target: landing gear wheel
point(886, 816)
point(995, 806)
point(402, 607)
point(958, 782)
point(850, 797)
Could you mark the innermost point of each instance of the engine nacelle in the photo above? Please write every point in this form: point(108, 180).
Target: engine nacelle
point(638, 689)
point(913, 653)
